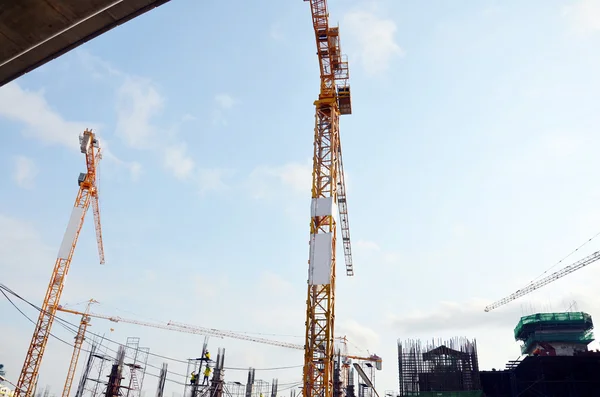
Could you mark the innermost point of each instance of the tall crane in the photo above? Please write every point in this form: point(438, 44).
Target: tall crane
point(79, 338)
point(328, 189)
point(546, 280)
point(88, 192)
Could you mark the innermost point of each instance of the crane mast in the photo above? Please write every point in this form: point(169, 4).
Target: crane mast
point(87, 193)
point(328, 194)
point(79, 338)
point(545, 281)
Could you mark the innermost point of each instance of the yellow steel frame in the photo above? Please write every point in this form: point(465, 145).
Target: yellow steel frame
point(320, 313)
point(326, 183)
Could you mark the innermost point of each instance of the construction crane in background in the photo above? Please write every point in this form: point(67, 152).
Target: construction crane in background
point(88, 192)
point(192, 329)
point(328, 189)
point(79, 338)
point(546, 280)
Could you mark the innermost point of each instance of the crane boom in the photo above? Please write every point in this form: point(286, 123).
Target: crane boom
point(196, 330)
point(328, 189)
point(87, 189)
point(234, 335)
point(190, 329)
point(546, 280)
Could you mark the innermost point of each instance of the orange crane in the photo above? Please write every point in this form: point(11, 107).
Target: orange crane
point(79, 338)
point(588, 260)
point(328, 189)
point(88, 192)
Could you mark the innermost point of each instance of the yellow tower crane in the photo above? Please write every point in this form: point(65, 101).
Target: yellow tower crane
point(88, 192)
point(328, 189)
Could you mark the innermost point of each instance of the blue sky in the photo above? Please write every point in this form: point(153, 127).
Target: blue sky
point(470, 162)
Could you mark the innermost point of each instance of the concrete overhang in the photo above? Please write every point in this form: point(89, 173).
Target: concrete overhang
point(33, 32)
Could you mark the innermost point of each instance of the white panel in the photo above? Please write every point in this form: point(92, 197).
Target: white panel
point(323, 206)
point(319, 269)
point(67, 242)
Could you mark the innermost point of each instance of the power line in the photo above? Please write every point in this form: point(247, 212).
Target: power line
point(65, 324)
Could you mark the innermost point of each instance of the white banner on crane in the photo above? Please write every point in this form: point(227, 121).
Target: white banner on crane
point(323, 206)
point(67, 242)
point(320, 261)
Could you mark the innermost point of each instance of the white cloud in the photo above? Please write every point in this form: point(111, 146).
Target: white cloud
point(367, 245)
point(22, 251)
point(276, 31)
point(358, 335)
point(134, 168)
point(212, 179)
point(25, 172)
point(40, 121)
point(371, 39)
point(177, 160)
point(225, 101)
point(273, 282)
point(266, 181)
point(45, 124)
point(137, 102)
point(584, 16)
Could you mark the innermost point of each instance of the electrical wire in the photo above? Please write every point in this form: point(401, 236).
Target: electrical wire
point(73, 328)
point(162, 321)
point(2, 287)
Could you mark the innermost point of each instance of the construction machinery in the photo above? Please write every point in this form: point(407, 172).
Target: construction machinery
point(185, 328)
point(196, 330)
point(328, 189)
point(345, 359)
point(534, 285)
point(88, 193)
point(79, 338)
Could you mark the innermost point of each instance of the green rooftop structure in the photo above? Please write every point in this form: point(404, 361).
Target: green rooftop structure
point(555, 334)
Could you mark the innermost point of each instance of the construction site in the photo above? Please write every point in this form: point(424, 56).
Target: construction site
point(554, 358)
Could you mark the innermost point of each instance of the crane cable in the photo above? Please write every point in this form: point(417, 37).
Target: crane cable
point(63, 323)
point(3, 287)
point(560, 261)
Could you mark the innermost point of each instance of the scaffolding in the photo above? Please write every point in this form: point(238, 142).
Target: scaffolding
point(137, 359)
point(253, 388)
point(439, 368)
point(235, 389)
point(94, 377)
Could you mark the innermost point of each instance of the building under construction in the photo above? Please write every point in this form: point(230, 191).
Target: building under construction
point(442, 368)
point(556, 360)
